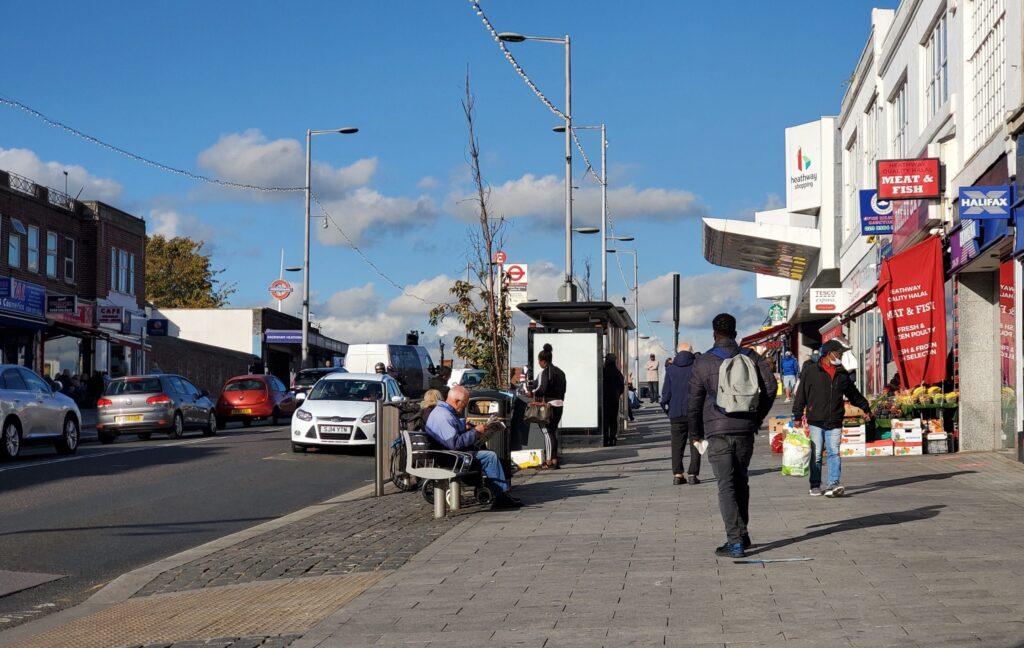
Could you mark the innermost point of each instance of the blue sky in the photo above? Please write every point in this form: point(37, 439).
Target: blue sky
point(696, 99)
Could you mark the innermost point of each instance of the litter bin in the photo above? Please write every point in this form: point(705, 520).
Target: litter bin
point(485, 403)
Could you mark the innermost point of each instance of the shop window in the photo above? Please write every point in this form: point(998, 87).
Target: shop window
point(32, 258)
point(113, 268)
point(131, 274)
point(122, 271)
point(898, 112)
point(51, 254)
point(937, 92)
point(14, 243)
point(69, 259)
point(985, 73)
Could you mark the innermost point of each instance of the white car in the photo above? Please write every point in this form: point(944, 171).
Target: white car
point(468, 378)
point(341, 410)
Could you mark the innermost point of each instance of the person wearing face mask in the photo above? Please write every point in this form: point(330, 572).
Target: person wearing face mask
point(819, 395)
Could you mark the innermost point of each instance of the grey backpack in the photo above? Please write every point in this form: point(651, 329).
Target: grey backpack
point(738, 389)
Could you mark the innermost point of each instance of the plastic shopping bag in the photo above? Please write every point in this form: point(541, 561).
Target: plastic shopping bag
point(796, 454)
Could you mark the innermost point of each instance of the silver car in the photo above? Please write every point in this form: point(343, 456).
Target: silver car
point(32, 412)
point(154, 403)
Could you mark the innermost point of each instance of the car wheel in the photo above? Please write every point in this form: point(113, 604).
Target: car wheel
point(177, 428)
point(68, 441)
point(296, 447)
point(144, 436)
point(211, 426)
point(10, 446)
point(107, 437)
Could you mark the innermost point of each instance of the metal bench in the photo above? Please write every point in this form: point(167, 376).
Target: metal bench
point(441, 471)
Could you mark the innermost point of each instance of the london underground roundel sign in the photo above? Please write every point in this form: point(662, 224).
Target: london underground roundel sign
point(280, 289)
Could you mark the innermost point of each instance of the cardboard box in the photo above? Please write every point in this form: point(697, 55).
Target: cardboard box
point(527, 458)
point(852, 450)
point(854, 434)
point(908, 435)
point(936, 436)
point(934, 426)
point(905, 424)
point(905, 449)
point(879, 449)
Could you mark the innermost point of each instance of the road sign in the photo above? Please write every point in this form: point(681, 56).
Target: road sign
point(500, 257)
point(280, 289)
point(517, 274)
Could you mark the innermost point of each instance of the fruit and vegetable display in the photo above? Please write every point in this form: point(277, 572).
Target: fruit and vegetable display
point(904, 403)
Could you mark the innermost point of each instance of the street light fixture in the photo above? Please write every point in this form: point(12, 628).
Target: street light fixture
point(586, 230)
point(568, 289)
point(347, 130)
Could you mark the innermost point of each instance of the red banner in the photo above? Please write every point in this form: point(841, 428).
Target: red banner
point(912, 299)
point(1007, 325)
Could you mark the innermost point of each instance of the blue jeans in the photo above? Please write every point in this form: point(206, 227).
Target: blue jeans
point(831, 444)
point(492, 469)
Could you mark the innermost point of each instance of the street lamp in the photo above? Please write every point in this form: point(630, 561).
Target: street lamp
point(569, 288)
point(604, 201)
point(636, 303)
point(586, 230)
point(348, 130)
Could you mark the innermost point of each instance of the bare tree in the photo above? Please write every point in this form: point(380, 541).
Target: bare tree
point(583, 282)
point(481, 306)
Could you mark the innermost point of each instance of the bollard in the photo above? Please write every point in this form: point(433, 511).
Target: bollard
point(439, 500)
point(378, 453)
point(456, 490)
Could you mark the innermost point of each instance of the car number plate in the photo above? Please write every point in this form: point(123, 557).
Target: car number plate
point(245, 410)
point(134, 418)
point(336, 429)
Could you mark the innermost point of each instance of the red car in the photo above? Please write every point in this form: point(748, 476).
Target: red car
point(258, 396)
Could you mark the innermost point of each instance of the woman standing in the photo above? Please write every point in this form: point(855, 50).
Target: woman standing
point(551, 389)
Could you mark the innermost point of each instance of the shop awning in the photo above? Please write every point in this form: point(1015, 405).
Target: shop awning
point(10, 319)
point(766, 335)
point(863, 304)
point(128, 341)
point(765, 248)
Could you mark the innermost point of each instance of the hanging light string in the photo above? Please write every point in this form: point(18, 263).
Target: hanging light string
point(139, 158)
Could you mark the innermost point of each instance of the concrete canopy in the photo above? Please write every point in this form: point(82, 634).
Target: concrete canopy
point(765, 248)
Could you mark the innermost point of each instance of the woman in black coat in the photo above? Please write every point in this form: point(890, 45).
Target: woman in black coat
point(550, 389)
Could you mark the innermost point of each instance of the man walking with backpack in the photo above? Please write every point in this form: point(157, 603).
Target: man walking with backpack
point(731, 392)
point(820, 395)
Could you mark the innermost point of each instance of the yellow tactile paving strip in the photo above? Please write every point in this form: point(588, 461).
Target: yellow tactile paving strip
point(263, 608)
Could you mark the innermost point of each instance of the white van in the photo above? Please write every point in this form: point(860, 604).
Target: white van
point(412, 364)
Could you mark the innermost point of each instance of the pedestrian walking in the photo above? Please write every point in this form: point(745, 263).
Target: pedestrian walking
point(731, 392)
point(675, 396)
point(550, 389)
point(613, 385)
point(652, 378)
point(790, 370)
point(820, 396)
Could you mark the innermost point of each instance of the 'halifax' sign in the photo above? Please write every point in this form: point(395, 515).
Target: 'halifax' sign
point(994, 202)
point(875, 214)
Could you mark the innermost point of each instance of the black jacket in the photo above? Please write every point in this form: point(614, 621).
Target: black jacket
point(705, 418)
point(675, 394)
point(552, 384)
point(821, 396)
point(612, 385)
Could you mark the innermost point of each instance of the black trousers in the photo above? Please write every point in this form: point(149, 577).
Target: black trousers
point(611, 421)
point(680, 443)
point(652, 389)
point(551, 434)
point(729, 455)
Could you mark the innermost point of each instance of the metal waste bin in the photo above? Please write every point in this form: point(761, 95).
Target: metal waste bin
point(485, 403)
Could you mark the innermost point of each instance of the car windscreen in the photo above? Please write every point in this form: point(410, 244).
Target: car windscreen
point(346, 390)
point(305, 378)
point(472, 378)
point(250, 384)
point(134, 386)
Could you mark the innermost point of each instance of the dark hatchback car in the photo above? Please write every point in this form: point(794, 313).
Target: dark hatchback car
point(154, 403)
point(305, 379)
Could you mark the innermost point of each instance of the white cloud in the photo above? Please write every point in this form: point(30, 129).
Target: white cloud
point(51, 174)
point(427, 182)
point(367, 214)
point(251, 158)
point(170, 223)
point(773, 201)
point(543, 198)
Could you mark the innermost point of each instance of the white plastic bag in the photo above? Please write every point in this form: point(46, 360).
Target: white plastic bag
point(796, 454)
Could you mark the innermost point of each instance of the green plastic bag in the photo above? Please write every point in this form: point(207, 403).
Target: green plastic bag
point(796, 454)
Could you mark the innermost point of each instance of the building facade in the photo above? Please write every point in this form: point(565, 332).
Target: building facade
point(72, 282)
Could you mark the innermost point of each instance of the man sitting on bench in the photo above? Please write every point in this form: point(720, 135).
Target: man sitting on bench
point(449, 430)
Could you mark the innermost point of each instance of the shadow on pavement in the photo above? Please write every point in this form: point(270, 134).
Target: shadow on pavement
point(155, 528)
point(903, 481)
point(863, 522)
point(537, 492)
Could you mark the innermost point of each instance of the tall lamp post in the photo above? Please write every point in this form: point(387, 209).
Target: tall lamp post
point(604, 243)
point(348, 130)
point(636, 308)
point(568, 290)
point(604, 202)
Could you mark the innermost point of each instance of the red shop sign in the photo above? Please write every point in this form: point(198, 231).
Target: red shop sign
point(912, 299)
point(906, 179)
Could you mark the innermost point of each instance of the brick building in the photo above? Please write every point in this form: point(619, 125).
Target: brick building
point(72, 282)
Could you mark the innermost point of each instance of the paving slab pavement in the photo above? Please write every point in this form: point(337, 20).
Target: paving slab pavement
point(924, 551)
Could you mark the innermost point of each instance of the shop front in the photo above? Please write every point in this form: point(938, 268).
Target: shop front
point(68, 343)
point(22, 317)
